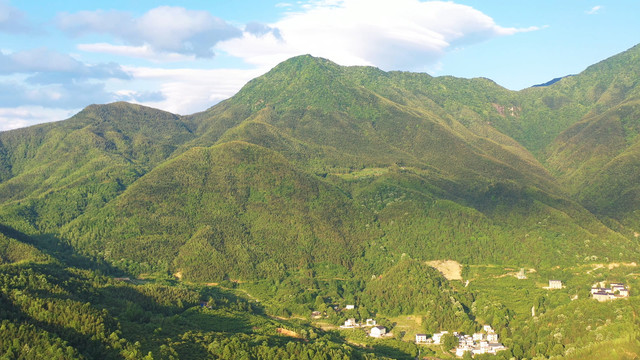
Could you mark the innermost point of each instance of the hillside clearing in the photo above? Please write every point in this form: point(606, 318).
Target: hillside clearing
point(450, 269)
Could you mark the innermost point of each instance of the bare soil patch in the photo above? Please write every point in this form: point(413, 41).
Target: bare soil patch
point(451, 269)
point(289, 333)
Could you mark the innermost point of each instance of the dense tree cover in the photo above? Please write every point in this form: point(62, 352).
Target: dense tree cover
point(221, 210)
point(414, 288)
point(12, 251)
point(48, 311)
point(325, 161)
point(318, 186)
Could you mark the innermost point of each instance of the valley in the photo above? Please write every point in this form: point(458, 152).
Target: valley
point(321, 193)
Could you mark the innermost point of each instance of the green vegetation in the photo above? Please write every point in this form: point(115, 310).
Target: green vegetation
point(319, 186)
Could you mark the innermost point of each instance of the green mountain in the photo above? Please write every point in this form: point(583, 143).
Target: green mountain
point(596, 159)
point(335, 163)
point(315, 187)
point(54, 172)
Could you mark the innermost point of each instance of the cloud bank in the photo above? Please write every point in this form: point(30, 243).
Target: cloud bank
point(13, 21)
point(164, 29)
point(403, 34)
point(400, 35)
point(44, 77)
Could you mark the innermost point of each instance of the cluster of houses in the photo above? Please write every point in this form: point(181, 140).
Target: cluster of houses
point(613, 292)
point(376, 331)
point(485, 342)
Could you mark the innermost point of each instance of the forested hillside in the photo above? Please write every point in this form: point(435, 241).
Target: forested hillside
point(414, 163)
point(317, 186)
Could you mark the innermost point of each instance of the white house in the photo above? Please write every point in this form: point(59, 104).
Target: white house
point(349, 323)
point(603, 295)
point(463, 349)
point(438, 336)
point(492, 337)
point(487, 328)
point(421, 338)
point(350, 307)
point(555, 284)
point(371, 322)
point(378, 331)
point(478, 336)
point(606, 294)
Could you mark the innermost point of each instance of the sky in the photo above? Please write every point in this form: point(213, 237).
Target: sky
point(186, 56)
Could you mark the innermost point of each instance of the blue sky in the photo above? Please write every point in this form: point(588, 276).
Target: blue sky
point(185, 56)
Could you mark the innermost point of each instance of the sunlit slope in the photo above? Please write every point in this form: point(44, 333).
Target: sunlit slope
point(54, 172)
point(318, 163)
point(230, 209)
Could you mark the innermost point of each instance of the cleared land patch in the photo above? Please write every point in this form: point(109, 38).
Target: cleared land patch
point(450, 269)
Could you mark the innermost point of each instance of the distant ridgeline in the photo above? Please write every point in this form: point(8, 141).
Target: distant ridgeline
point(552, 81)
point(317, 186)
point(351, 166)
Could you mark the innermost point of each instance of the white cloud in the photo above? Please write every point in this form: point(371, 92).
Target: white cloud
point(50, 66)
point(51, 79)
point(13, 118)
point(186, 91)
point(594, 10)
point(13, 20)
point(69, 95)
point(164, 29)
point(403, 34)
point(142, 52)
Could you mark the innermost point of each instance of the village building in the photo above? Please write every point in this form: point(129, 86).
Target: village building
point(371, 322)
point(350, 323)
point(479, 343)
point(350, 307)
point(437, 337)
point(460, 350)
point(421, 338)
point(378, 331)
point(616, 291)
point(465, 340)
point(492, 337)
point(603, 296)
point(555, 284)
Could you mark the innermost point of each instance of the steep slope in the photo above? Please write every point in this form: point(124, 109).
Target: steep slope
point(403, 163)
point(52, 173)
point(234, 209)
point(597, 158)
point(545, 112)
point(345, 165)
point(14, 251)
point(333, 118)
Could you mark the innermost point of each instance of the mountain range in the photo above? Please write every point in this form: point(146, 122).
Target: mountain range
point(316, 163)
point(320, 194)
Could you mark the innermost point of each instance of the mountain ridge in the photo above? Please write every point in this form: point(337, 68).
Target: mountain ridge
point(388, 141)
